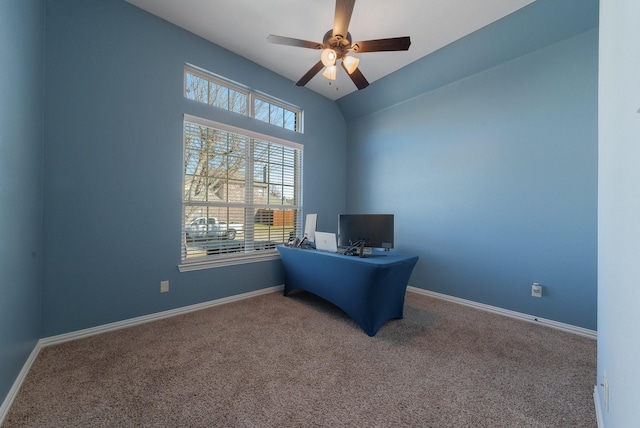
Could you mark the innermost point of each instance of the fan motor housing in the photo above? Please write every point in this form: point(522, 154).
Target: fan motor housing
point(338, 43)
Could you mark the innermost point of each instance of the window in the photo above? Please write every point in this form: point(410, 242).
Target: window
point(242, 194)
point(275, 114)
point(204, 87)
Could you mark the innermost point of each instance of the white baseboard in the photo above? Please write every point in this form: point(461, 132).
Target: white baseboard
point(13, 392)
point(80, 334)
point(74, 335)
point(596, 400)
point(506, 312)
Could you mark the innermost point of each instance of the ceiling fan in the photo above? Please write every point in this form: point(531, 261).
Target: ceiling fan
point(337, 43)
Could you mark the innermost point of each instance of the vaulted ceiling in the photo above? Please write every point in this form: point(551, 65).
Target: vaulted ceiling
point(242, 26)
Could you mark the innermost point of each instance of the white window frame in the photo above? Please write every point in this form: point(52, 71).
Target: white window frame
point(252, 96)
point(247, 256)
point(273, 102)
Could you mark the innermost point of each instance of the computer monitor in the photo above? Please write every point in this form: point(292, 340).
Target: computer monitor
point(374, 230)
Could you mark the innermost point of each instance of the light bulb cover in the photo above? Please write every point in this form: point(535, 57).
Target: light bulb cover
point(350, 63)
point(328, 57)
point(330, 72)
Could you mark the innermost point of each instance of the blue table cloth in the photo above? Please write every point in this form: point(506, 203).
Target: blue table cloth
point(370, 290)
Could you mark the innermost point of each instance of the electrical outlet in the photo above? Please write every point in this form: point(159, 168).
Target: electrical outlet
point(536, 290)
point(164, 286)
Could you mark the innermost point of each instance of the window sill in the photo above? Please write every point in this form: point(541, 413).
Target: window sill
point(261, 256)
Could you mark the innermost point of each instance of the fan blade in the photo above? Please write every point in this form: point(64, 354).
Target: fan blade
point(382, 45)
point(344, 9)
point(281, 40)
point(309, 74)
point(357, 77)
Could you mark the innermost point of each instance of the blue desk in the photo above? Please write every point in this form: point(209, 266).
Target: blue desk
point(370, 290)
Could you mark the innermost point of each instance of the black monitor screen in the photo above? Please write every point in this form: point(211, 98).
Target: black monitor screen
point(376, 230)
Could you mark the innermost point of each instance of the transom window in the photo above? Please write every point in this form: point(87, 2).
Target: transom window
point(275, 114)
point(216, 91)
point(242, 193)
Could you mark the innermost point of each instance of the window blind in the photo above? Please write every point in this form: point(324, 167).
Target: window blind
point(242, 191)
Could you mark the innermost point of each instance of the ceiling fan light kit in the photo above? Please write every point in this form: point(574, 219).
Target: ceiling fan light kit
point(335, 45)
point(330, 72)
point(350, 63)
point(328, 57)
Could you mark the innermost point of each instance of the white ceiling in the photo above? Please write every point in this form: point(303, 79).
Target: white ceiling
point(242, 26)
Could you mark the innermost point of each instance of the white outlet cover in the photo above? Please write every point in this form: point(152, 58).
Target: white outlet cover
point(536, 290)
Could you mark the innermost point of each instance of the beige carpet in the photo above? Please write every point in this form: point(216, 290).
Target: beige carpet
point(275, 361)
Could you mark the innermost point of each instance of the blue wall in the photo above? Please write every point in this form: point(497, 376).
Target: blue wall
point(535, 26)
point(113, 163)
point(21, 115)
point(493, 166)
point(493, 180)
